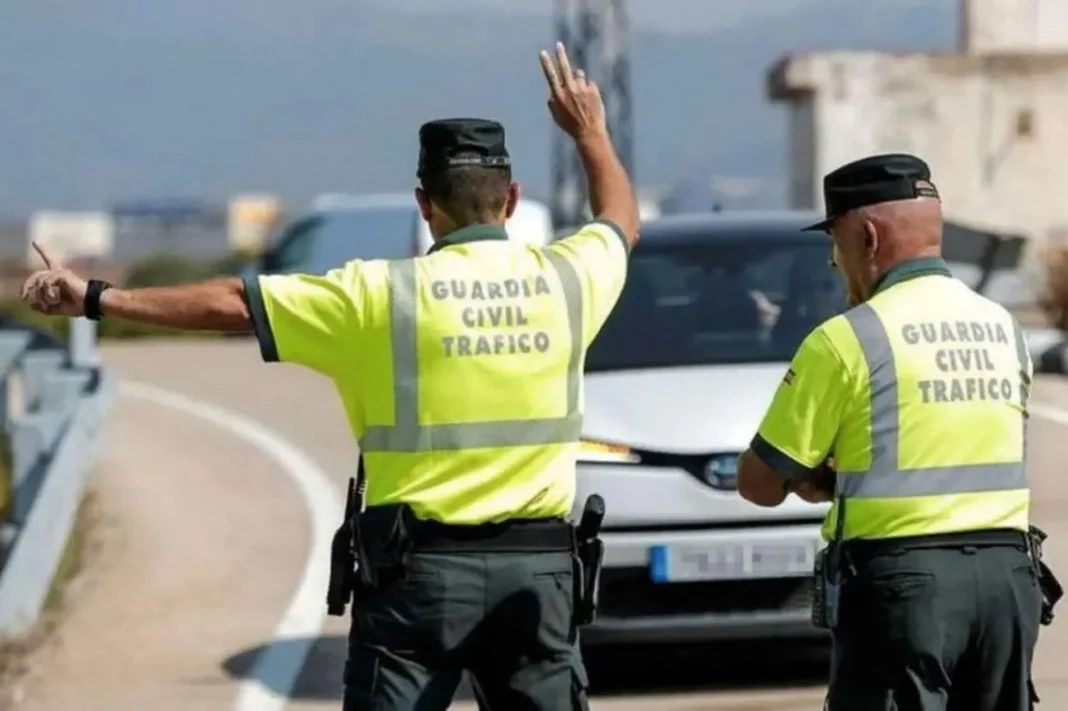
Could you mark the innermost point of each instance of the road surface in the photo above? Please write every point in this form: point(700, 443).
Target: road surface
point(202, 541)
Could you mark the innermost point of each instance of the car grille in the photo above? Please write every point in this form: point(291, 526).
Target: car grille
point(628, 592)
point(697, 465)
point(692, 463)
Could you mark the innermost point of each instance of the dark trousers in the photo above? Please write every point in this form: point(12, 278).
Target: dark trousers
point(504, 617)
point(937, 629)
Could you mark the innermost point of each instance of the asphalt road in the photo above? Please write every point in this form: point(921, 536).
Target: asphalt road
point(204, 539)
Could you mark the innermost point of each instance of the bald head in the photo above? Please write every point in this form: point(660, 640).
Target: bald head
point(905, 229)
point(872, 240)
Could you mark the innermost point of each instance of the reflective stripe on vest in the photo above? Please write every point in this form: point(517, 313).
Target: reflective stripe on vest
point(407, 435)
point(886, 479)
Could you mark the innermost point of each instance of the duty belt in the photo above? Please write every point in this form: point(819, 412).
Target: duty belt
point(865, 547)
point(520, 536)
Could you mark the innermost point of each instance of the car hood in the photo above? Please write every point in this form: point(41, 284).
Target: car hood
point(682, 410)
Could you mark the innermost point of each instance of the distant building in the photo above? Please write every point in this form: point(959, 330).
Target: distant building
point(989, 119)
point(250, 221)
point(190, 227)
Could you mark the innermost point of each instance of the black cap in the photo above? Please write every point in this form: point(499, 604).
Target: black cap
point(870, 181)
point(453, 143)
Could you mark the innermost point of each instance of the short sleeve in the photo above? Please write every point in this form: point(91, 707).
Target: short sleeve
point(598, 252)
point(801, 425)
point(306, 319)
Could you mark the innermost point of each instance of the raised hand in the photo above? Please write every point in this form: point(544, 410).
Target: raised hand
point(574, 101)
point(54, 290)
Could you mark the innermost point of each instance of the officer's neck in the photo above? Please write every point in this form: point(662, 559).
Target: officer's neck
point(478, 232)
point(444, 230)
point(920, 262)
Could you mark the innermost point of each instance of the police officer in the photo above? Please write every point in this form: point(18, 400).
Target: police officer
point(919, 394)
point(461, 375)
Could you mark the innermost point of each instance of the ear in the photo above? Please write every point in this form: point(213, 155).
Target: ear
point(871, 239)
point(513, 200)
point(425, 208)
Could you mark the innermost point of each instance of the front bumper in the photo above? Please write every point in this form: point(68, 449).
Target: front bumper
point(635, 609)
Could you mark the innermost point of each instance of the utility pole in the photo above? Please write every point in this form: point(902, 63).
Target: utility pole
point(595, 33)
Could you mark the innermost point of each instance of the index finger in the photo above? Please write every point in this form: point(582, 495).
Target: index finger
point(49, 262)
point(549, 69)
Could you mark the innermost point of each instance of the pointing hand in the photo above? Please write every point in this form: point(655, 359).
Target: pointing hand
point(54, 290)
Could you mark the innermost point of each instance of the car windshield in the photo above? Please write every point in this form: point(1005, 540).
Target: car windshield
point(325, 241)
point(718, 302)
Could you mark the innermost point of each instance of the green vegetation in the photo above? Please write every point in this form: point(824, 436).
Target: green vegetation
point(157, 270)
point(21, 312)
point(169, 269)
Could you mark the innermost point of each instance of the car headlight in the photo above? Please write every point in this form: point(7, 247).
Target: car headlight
point(593, 451)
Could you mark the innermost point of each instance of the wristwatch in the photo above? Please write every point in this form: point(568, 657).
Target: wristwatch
point(93, 291)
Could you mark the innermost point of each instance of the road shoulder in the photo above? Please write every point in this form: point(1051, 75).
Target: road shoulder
point(198, 545)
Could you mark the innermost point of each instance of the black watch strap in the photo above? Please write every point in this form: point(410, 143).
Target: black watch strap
point(93, 291)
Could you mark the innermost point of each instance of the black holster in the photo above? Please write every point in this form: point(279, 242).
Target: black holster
point(827, 576)
point(384, 538)
point(367, 547)
point(589, 560)
point(826, 587)
point(343, 554)
point(1052, 590)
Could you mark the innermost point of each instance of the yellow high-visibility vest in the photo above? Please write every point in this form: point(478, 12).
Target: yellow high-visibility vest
point(460, 371)
point(923, 404)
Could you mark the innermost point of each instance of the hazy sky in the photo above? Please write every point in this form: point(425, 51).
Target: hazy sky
point(111, 99)
point(676, 16)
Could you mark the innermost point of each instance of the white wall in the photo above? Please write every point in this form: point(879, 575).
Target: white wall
point(959, 113)
point(1014, 26)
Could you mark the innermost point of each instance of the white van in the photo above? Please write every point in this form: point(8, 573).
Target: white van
point(342, 227)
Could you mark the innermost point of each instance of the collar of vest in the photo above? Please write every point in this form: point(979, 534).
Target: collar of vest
point(912, 269)
point(474, 233)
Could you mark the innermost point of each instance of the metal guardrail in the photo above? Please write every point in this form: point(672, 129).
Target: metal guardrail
point(53, 400)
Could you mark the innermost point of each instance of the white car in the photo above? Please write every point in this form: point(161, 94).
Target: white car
point(714, 307)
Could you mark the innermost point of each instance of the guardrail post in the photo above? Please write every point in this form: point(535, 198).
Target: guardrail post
point(60, 390)
point(55, 393)
point(12, 346)
point(36, 365)
point(32, 439)
point(82, 344)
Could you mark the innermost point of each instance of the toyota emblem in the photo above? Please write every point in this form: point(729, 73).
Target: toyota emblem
point(722, 472)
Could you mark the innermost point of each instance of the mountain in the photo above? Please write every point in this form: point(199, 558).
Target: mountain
point(119, 99)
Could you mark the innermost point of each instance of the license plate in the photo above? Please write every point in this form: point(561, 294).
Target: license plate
point(732, 561)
